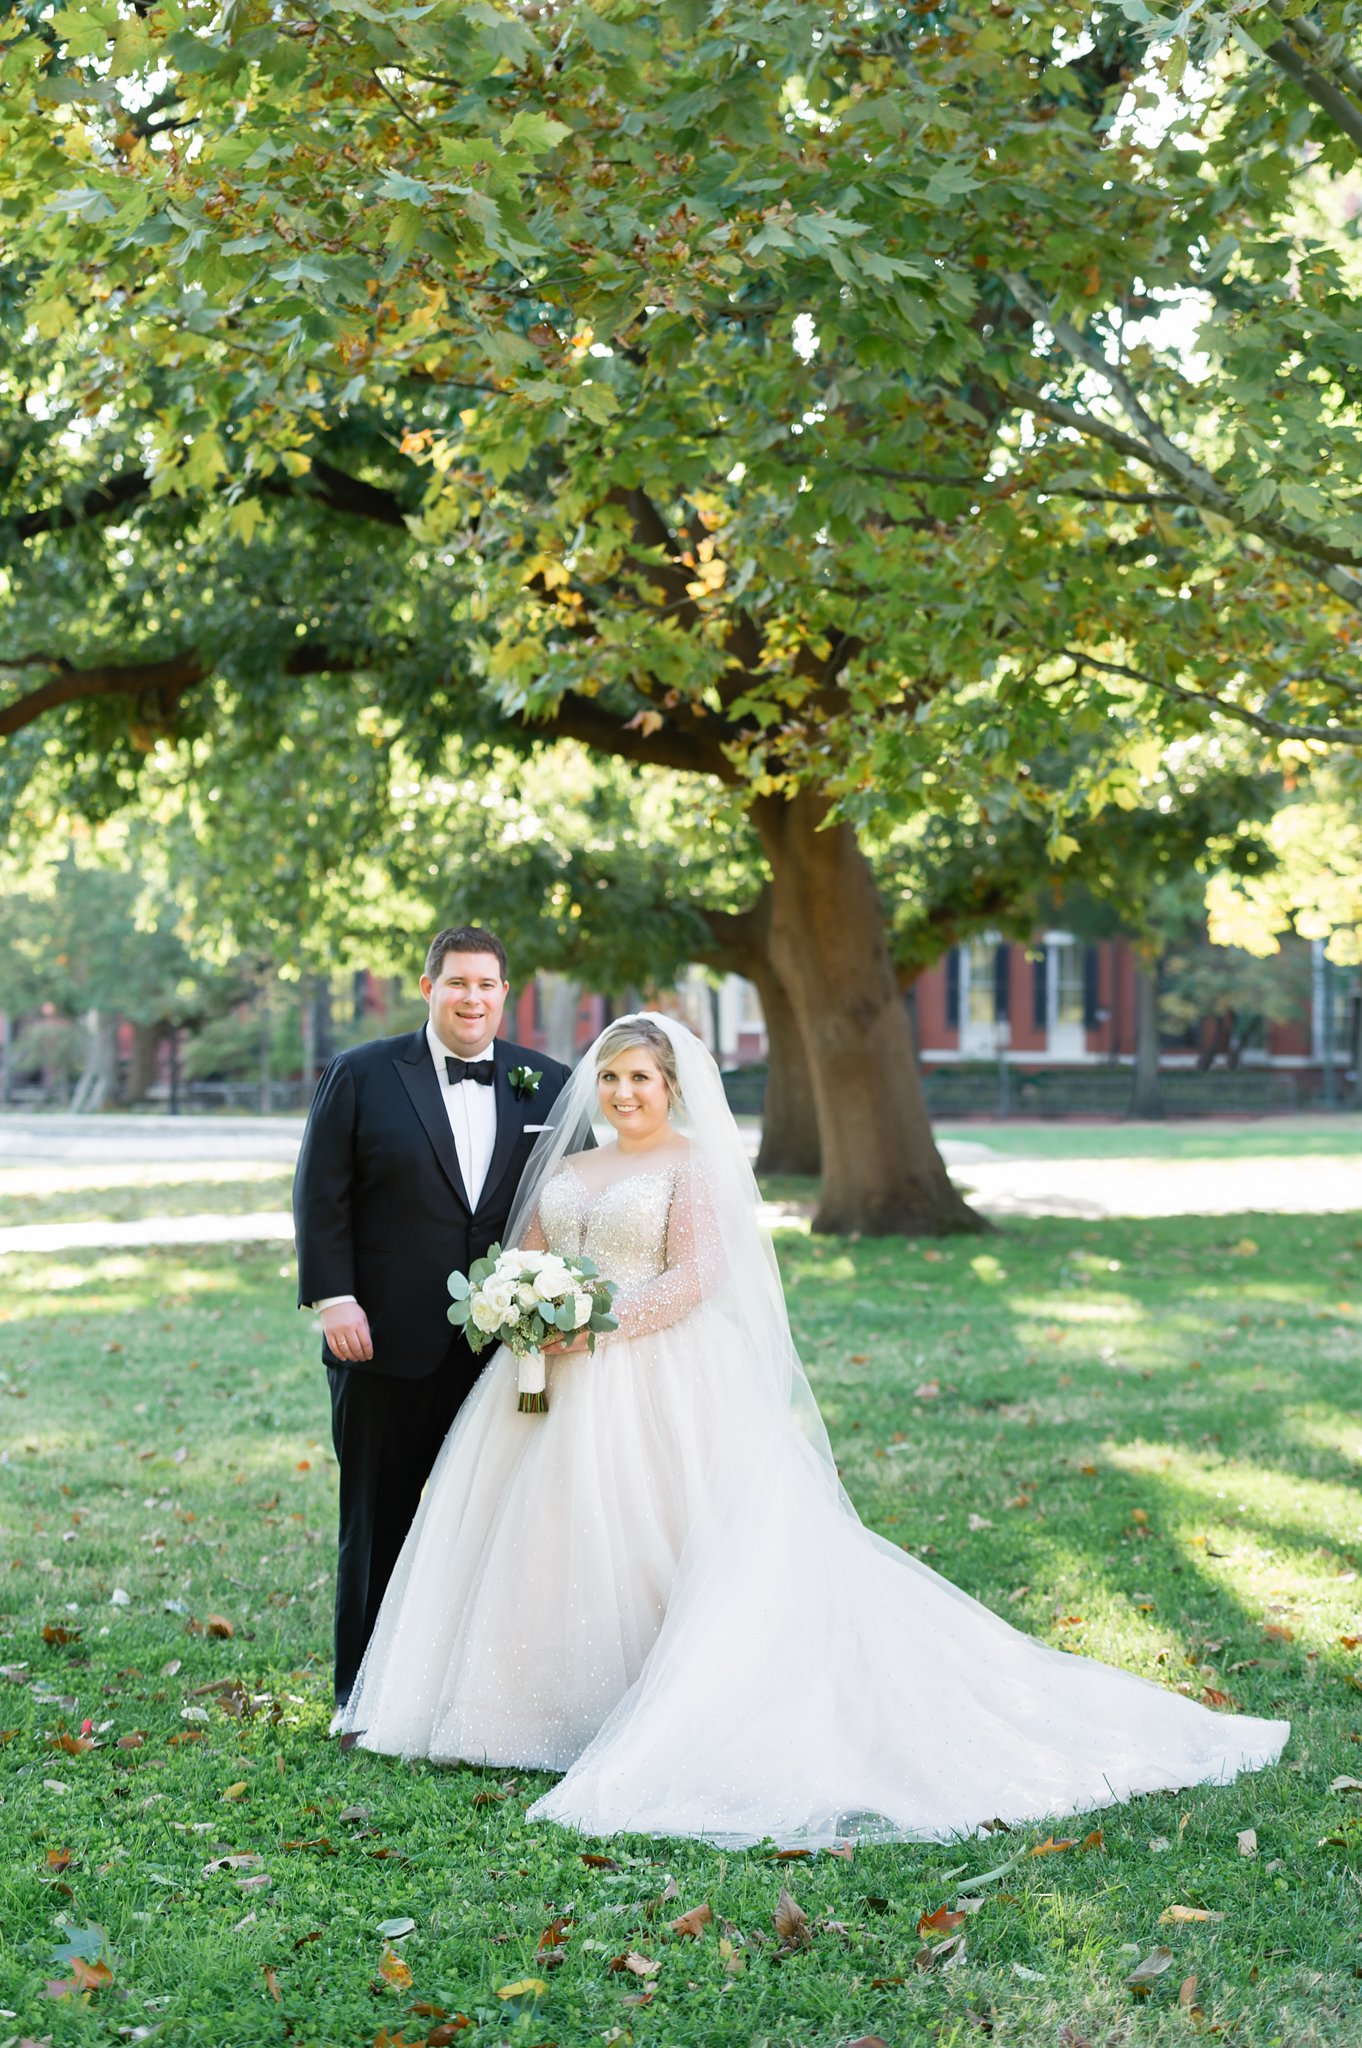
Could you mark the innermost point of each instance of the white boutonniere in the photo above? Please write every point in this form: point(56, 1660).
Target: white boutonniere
point(525, 1081)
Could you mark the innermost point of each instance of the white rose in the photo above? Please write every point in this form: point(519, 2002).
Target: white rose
point(581, 1311)
point(514, 1262)
point(499, 1294)
point(486, 1315)
point(552, 1280)
point(526, 1295)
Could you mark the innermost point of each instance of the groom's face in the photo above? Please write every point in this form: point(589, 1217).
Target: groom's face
point(466, 1000)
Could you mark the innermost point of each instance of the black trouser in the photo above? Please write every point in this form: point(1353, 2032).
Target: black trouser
point(387, 1433)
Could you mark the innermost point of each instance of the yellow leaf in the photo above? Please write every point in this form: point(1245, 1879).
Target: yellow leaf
point(394, 1970)
point(1181, 1916)
point(237, 1791)
point(524, 1987)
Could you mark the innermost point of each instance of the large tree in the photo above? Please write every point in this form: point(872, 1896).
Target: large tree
point(666, 383)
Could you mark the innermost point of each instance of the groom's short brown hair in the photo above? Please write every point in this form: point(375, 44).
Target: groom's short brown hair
point(464, 938)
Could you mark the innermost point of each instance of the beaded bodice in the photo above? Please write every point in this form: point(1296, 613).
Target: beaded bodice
point(621, 1227)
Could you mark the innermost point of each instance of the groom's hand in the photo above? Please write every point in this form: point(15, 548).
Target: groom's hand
point(346, 1329)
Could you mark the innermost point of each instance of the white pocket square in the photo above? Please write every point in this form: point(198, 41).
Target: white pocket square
point(536, 1127)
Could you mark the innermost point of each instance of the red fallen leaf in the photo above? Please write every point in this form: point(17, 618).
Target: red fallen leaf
point(303, 1465)
point(59, 1859)
point(1215, 1698)
point(692, 1924)
point(600, 1863)
point(942, 1921)
point(71, 1745)
point(1276, 1633)
point(790, 1855)
point(1050, 1847)
point(185, 1735)
point(55, 1633)
point(441, 2036)
point(134, 1740)
point(555, 1932)
point(886, 1983)
point(91, 1976)
point(1093, 1841)
point(304, 1939)
point(219, 1626)
point(275, 1993)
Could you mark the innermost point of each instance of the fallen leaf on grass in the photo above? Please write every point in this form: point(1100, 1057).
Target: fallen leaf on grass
point(1150, 1970)
point(1247, 1838)
point(71, 1745)
point(1213, 1697)
point(942, 1955)
point(273, 1982)
point(349, 1813)
point(1187, 1997)
point(600, 1863)
point(304, 1939)
point(886, 1983)
point(1050, 1847)
point(868, 2041)
point(259, 1883)
point(1069, 2037)
point(670, 1892)
point(135, 1739)
point(942, 1921)
point(244, 1862)
point(791, 1922)
point(59, 1859)
point(1031, 1976)
point(219, 1626)
point(441, 2036)
point(393, 1970)
point(393, 1930)
point(635, 1964)
point(693, 1924)
point(91, 1976)
point(237, 1791)
point(1345, 1784)
point(1181, 1916)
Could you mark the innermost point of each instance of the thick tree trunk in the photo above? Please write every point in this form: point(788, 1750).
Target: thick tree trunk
point(142, 1070)
point(1146, 1095)
point(789, 1116)
point(882, 1173)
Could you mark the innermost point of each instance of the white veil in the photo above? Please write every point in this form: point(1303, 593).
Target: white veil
point(742, 1278)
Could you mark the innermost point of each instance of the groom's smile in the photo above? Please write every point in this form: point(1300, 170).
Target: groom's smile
point(466, 1002)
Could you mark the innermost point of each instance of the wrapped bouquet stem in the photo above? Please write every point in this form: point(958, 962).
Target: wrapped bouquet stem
point(525, 1300)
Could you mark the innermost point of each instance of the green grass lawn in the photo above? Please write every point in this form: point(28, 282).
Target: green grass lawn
point(125, 1194)
point(1264, 1137)
point(1138, 1440)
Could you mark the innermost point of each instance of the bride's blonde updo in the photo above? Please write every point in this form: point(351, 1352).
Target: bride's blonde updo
point(630, 1031)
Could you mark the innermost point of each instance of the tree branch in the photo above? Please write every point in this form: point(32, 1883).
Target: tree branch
point(334, 488)
point(165, 681)
point(587, 720)
point(1328, 95)
point(1332, 565)
point(1270, 728)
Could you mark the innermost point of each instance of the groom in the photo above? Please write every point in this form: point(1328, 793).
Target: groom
point(409, 1165)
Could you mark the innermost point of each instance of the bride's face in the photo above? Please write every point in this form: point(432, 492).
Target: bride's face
point(632, 1091)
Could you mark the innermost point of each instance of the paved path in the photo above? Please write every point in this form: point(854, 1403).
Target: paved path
point(55, 1154)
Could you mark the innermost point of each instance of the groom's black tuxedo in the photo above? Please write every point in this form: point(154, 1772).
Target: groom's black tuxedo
point(381, 1212)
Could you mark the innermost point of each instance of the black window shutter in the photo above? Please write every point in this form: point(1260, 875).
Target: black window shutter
point(1090, 988)
point(953, 989)
point(1040, 991)
point(1002, 974)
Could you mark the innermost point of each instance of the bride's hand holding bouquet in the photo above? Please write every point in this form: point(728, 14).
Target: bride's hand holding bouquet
point(532, 1302)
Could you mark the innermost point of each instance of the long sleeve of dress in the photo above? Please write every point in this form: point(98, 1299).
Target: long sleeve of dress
point(694, 1264)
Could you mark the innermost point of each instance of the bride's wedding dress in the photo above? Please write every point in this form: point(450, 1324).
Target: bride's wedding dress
point(659, 1588)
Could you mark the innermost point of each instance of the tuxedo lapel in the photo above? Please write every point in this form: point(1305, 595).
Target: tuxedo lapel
point(509, 1122)
point(416, 1071)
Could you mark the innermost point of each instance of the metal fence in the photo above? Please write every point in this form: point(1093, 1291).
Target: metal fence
point(994, 1088)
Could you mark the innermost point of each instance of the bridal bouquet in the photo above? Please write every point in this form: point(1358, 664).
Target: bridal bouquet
point(525, 1300)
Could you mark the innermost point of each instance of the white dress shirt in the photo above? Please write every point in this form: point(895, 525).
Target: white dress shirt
point(471, 1107)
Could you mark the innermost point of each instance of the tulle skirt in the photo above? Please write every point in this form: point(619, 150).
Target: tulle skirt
point(659, 1589)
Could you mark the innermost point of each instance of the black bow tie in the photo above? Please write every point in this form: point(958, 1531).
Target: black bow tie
point(469, 1070)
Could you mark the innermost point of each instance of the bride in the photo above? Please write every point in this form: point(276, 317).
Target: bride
point(659, 1588)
